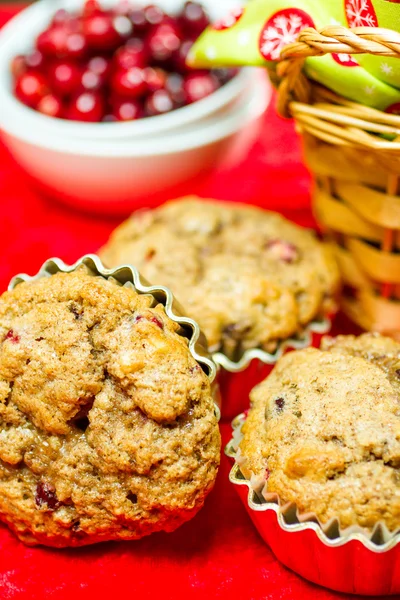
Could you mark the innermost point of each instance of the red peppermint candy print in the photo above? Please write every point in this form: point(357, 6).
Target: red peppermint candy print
point(360, 13)
point(345, 59)
point(282, 29)
point(229, 20)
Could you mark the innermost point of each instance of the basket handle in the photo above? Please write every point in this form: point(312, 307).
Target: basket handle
point(333, 39)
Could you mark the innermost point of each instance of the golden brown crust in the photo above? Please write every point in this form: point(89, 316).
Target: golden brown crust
point(324, 429)
point(247, 276)
point(107, 425)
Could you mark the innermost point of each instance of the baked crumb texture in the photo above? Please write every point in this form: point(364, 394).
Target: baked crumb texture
point(249, 277)
point(107, 425)
point(324, 431)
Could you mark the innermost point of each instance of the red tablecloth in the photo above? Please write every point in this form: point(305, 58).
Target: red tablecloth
point(218, 554)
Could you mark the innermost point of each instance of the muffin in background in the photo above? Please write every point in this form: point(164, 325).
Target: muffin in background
point(107, 421)
point(323, 432)
point(249, 277)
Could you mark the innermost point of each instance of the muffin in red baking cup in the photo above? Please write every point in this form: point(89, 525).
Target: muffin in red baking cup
point(316, 463)
point(255, 282)
point(351, 562)
point(237, 379)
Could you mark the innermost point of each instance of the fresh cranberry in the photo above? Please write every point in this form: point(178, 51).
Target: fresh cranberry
point(199, 85)
point(230, 19)
point(137, 44)
point(130, 83)
point(155, 78)
point(175, 86)
point(60, 17)
point(109, 118)
point(193, 18)
point(51, 106)
point(284, 251)
point(18, 65)
point(91, 81)
point(101, 66)
point(91, 7)
point(139, 21)
point(163, 41)
point(73, 24)
point(12, 336)
point(88, 107)
point(100, 32)
point(35, 60)
point(123, 26)
point(158, 103)
point(76, 45)
point(181, 54)
point(224, 75)
point(30, 88)
point(122, 8)
point(45, 497)
point(53, 42)
point(127, 110)
point(64, 77)
point(154, 15)
point(59, 42)
point(133, 54)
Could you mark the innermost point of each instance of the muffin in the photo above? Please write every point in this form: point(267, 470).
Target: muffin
point(323, 432)
point(107, 427)
point(249, 277)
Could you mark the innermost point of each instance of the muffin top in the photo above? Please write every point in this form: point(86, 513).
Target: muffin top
point(107, 424)
point(247, 276)
point(324, 431)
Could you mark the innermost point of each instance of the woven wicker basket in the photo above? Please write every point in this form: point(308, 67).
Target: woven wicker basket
point(357, 172)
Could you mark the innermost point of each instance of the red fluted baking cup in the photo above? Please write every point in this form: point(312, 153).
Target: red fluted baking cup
point(237, 379)
point(350, 561)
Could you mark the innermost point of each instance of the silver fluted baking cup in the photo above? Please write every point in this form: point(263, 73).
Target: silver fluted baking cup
point(302, 340)
point(290, 519)
point(237, 379)
point(129, 275)
point(352, 560)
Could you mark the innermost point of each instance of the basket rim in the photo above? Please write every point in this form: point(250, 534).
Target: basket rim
point(325, 114)
point(338, 39)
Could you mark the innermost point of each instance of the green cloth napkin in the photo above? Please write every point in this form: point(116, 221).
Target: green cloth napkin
point(256, 34)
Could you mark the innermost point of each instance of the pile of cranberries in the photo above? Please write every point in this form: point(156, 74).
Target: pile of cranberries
point(115, 64)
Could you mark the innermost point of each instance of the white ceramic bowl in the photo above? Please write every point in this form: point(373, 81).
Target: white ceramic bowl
point(118, 167)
